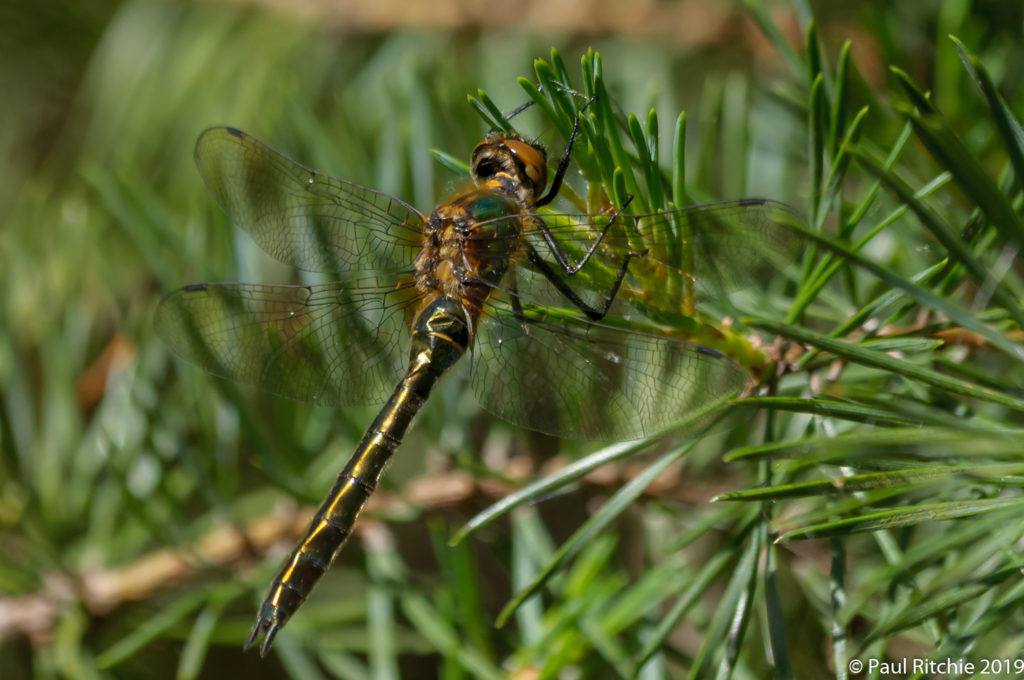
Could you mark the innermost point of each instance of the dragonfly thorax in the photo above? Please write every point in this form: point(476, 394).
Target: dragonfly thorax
point(469, 244)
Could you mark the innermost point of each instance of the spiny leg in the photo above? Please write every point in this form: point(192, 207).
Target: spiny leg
point(559, 254)
point(522, 107)
point(519, 109)
point(556, 185)
point(593, 313)
point(563, 162)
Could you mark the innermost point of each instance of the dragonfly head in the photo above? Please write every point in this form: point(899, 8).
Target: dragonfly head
point(511, 157)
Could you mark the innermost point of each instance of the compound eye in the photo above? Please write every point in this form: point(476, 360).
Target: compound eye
point(532, 162)
point(483, 163)
point(478, 149)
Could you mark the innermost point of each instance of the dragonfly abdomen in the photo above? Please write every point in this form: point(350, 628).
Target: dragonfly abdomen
point(440, 336)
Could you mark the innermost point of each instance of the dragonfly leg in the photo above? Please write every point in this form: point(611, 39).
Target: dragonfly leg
point(522, 107)
point(563, 162)
point(594, 313)
point(556, 249)
point(519, 109)
point(517, 305)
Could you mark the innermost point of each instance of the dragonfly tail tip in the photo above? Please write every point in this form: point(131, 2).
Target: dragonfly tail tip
point(253, 634)
point(269, 638)
point(268, 628)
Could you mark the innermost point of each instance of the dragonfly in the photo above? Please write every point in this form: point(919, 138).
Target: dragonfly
point(488, 273)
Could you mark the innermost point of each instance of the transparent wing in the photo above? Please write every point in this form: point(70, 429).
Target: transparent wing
point(571, 378)
point(724, 246)
point(332, 344)
point(302, 217)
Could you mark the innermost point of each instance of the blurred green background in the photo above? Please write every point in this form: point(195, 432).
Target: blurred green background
point(123, 470)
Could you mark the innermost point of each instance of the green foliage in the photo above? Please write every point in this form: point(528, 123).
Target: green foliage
point(870, 507)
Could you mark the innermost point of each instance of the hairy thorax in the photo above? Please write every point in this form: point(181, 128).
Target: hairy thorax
point(469, 244)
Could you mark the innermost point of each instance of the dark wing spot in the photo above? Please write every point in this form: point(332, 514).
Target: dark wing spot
point(710, 352)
